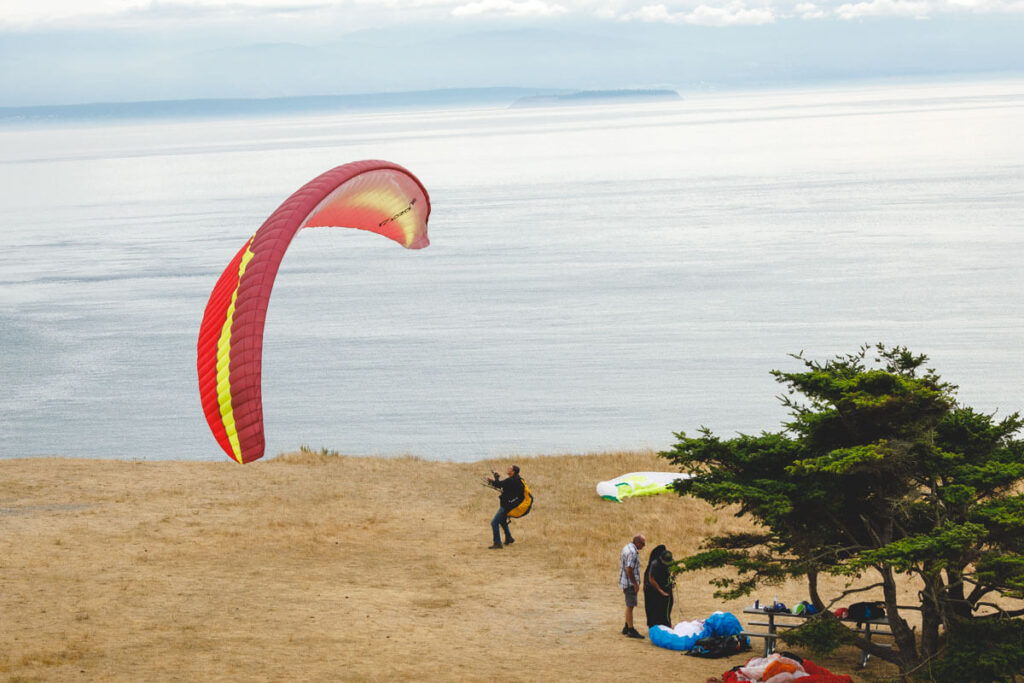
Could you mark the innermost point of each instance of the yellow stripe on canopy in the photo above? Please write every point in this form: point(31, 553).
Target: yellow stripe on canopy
point(224, 364)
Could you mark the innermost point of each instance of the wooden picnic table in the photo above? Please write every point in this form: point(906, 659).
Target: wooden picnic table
point(867, 627)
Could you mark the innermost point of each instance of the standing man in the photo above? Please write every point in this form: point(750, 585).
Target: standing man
point(629, 580)
point(512, 494)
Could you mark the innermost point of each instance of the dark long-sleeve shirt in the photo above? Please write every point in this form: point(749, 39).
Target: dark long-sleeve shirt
point(511, 491)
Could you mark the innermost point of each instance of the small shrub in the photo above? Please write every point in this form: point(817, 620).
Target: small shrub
point(980, 651)
point(821, 634)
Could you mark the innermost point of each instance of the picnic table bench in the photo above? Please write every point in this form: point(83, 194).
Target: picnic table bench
point(868, 628)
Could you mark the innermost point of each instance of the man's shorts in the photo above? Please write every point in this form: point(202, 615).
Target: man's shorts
point(630, 594)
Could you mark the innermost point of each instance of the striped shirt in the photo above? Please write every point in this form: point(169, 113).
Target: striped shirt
point(630, 557)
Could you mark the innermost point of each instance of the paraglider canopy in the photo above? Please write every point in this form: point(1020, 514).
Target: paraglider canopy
point(637, 484)
point(377, 196)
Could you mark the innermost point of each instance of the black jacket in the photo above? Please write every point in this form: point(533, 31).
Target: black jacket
point(511, 491)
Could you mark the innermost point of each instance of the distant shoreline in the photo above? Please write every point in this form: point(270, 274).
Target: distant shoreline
point(510, 97)
point(228, 107)
point(272, 106)
point(597, 96)
point(206, 108)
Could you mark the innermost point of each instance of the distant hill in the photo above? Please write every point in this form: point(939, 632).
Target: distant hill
point(596, 96)
point(230, 107)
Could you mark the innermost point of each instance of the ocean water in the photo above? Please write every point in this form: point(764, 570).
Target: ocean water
point(599, 277)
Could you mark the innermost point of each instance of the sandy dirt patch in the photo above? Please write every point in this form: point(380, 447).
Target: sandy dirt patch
point(320, 568)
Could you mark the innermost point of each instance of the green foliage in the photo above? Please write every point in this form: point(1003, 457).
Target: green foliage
point(822, 634)
point(942, 548)
point(879, 470)
point(979, 651)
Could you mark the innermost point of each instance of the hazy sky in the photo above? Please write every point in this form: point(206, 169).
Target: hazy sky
point(370, 13)
point(72, 51)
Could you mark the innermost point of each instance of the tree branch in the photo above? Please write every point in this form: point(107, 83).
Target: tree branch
point(851, 591)
point(1000, 612)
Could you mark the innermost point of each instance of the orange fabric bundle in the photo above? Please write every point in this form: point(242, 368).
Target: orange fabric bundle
point(781, 665)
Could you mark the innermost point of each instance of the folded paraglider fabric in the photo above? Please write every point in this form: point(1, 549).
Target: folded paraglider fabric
point(687, 633)
point(778, 668)
point(723, 624)
point(682, 637)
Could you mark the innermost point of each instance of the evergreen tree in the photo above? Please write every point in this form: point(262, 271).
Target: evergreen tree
point(880, 472)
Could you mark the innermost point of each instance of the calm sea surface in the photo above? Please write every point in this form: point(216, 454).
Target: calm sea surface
point(599, 277)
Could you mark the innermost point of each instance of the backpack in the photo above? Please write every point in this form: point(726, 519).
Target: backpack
point(804, 607)
point(713, 647)
point(865, 611)
point(522, 506)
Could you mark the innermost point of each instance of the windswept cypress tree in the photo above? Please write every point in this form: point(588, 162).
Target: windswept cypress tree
point(879, 472)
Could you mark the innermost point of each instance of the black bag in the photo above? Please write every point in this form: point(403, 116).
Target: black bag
point(865, 611)
point(714, 647)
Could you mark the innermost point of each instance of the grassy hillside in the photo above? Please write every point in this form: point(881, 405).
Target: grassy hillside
point(316, 567)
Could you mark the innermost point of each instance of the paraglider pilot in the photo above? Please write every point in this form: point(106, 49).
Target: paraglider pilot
point(658, 588)
point(511, 496)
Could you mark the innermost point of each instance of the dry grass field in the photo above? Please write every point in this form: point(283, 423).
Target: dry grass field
point(313, 567)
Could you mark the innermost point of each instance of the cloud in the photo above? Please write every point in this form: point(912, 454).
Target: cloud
point(808, 10)
point(1002, 6)
point(66, 13)
point(730, 14)
point(319, 15)
point(885, 8)
point(921, 9)
point(509, 8)
point(54, 11)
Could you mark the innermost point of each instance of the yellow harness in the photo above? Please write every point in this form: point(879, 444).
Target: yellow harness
point(524, 507)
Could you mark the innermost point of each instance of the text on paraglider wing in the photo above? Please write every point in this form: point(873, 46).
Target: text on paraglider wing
point(398, 215)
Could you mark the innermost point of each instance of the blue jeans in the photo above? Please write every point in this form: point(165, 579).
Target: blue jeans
point(500, 518)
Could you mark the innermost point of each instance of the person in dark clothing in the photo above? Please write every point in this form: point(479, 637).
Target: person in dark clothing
point(658, 593)
point(511, 496)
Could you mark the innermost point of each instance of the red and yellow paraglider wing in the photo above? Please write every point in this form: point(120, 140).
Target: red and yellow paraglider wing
point(371, 195)
point(385, 201)
point(214, 354)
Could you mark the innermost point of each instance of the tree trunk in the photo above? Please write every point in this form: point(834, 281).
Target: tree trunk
point(929, 631)
point(958, 603)
point(931, 619)
point(933, 605)
point(903, 636)
point(812, 590)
